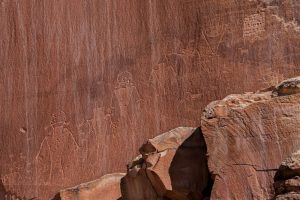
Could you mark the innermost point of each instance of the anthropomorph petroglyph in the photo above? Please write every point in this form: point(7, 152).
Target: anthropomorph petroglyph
point(56, 157)
point(125, 92)
point(213, 26)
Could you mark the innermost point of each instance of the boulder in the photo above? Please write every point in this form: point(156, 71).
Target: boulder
point(288, 87)
point(105, 188)
point(247, 137)
point(171, 166)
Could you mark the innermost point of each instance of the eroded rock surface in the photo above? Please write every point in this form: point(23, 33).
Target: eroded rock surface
point(105, 188)
point(247, 137)
point(171, 166)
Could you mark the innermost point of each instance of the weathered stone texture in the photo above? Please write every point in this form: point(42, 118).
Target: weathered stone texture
point(172, 166)
point(87, 81)
point(105, 188)
point(247, 138)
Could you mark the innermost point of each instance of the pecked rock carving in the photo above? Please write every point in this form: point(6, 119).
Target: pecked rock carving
point(124, 71)
point(254, 26)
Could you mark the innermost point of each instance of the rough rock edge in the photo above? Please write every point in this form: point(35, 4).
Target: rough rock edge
point(151, 153)
point(222, 108)
point(169, 140)
point(287, 180)
point(86, 186)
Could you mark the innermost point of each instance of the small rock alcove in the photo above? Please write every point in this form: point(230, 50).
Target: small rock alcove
point(189, 170)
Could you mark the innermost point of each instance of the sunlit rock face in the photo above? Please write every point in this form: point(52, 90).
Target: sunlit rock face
point(247, 137)
point(89, 81)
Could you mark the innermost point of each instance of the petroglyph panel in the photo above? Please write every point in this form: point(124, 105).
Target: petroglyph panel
point(85, 83)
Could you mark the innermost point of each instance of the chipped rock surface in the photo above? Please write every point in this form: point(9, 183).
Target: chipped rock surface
point(247, 137)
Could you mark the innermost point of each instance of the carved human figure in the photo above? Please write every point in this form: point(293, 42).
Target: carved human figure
point(213, 26)
point(56, 158)
point(89, 142)
point(126, 113)
point(125, 94)
point(163, 78)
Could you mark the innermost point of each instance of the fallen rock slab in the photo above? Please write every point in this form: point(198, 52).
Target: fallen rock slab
point(105, 188)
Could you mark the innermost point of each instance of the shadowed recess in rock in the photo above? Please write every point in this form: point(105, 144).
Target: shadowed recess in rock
point(171, 166)
point(189, 171)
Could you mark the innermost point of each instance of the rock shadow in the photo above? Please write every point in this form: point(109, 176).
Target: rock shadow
point(189, 169)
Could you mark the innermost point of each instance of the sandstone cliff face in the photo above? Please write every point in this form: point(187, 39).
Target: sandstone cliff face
point(243, 150)
point(88, 81)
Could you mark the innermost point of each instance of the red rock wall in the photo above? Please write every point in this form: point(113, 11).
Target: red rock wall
point(85, 82)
